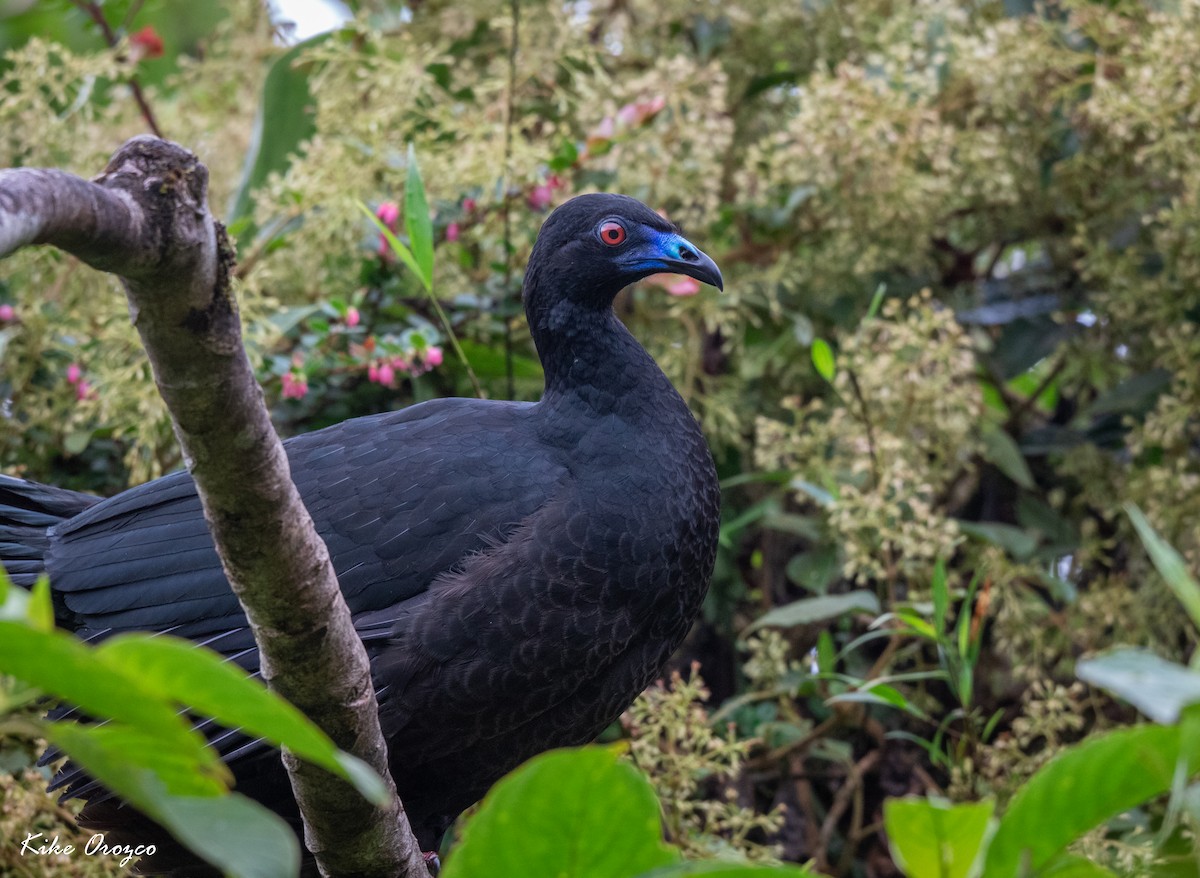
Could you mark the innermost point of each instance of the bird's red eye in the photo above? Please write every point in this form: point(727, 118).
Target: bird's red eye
point(612, 233)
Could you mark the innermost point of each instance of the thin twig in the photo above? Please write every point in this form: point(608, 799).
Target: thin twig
point(94, 11)
point(844, 797)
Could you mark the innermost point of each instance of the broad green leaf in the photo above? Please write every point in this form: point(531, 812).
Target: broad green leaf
point(40, 609)
point(111, 750)
point(169, 666)
point(823, 360)
point(1084, 786)
point(417, 222)
point(729, 870)
point(817, 609)
point(60, 665)
point(569, 814)
point(1000, 449)
point(931, 838)
point(1158, 688)
point(1071, 866)
point(284, 121)
point(1015, 541)
point(1169, 563)
point(236, 834)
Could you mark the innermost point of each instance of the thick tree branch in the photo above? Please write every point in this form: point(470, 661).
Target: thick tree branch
point(146, 219)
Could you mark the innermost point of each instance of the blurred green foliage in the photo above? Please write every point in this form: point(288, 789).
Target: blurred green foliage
point(959, 330)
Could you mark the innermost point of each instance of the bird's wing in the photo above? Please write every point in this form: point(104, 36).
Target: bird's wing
point(399, 498)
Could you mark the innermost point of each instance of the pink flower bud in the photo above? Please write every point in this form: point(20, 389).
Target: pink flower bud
point(373, 373)
point(433, 356)
point(387, 375)
point(540, 197)
point(352, 317)
point(388, 213)
point(684, 286)
point(294, 386)
point(74, 373)
point(82, 390)
point(7, 313)
point(469, 205)
point(452, 232)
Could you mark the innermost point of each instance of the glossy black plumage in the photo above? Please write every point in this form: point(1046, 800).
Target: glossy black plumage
point(518, 572)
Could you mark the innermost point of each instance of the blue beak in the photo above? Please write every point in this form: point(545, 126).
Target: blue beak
point(667, 251)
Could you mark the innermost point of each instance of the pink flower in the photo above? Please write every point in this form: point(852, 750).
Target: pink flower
point(540, 197)
point(373, 372)
point(386, 374)
point(469, 205)
point(433, 356)
point(352, 317)
point(83, 390)
point(146, 43)
point(452, 232)
point(295, 386)
point(388, 213)
point(675, 284)
point(74, 373)
point(7, 313)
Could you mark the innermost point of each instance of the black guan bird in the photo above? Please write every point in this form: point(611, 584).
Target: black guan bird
point(518, 572)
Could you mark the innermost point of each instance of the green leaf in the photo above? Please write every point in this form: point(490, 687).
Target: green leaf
point(931, 838)
point(417, 222)
point(39, 611)
point(169, 666)
point(876, 301)
point(822, 358)
point(1158, 688)
point(395, 243)
point(284, 121)
point(1012, 539)
point(60, 665)
point(817, 609)
point(881, 694)
point(1001, 450)
point(1169, 563)
point(1071, 866)
point(1084, 786)
point(110, 751)
point(941, 595)
point(569, 814)
point(234, 833)
point(729, 870)
point(76, 441)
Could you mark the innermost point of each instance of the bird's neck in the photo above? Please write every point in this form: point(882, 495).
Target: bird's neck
point(590, 357)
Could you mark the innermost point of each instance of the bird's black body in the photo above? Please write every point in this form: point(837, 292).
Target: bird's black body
point(518, 572)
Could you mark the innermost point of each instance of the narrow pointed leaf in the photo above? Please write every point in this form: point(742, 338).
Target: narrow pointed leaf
point(417, 222)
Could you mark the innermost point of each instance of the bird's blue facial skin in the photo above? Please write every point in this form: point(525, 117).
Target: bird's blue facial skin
point(654, 251)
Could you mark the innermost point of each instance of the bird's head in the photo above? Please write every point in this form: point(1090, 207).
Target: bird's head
point(594, 245)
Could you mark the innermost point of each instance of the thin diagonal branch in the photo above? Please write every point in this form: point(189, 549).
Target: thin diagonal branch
point(94, 12)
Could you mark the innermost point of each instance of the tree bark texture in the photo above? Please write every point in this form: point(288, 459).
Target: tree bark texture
point(146, 219)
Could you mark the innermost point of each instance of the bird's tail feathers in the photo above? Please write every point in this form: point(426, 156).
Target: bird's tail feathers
point(27, 512)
